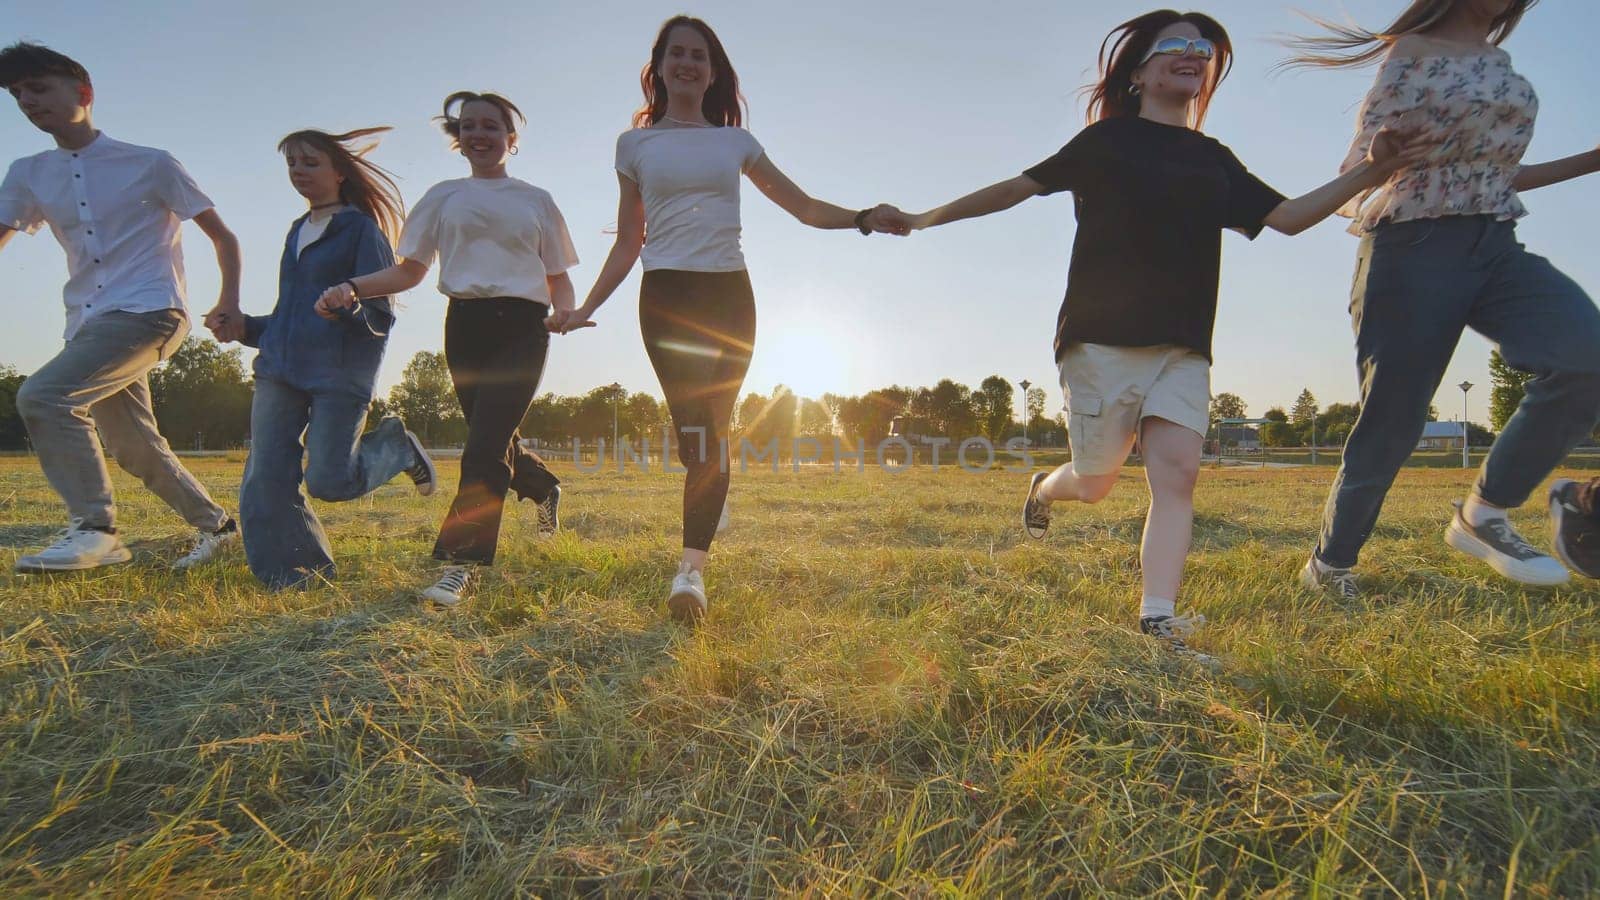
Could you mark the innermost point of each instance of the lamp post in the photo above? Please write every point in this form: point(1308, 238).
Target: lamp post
point(1025, 383)
point(1313, 437)
point(1465, 386)
point(616, 394)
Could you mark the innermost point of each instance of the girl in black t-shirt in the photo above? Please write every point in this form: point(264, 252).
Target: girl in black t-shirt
point(1152, 196)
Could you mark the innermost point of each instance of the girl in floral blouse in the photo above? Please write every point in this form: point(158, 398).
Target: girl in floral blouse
point(1439, 253)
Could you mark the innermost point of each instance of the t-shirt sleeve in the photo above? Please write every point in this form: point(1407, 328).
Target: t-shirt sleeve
point(1068, 169)
point(1250, 199)
point(419, 237)
point(178, 191)
point(19, 209)
point(753, 151)
point(626, 163)
point(556, 250)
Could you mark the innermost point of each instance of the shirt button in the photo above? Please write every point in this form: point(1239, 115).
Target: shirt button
point(97, 262)
point(83, 203)
point(91, 231)
point(77, 176)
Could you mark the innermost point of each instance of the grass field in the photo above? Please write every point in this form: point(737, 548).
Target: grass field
point(896, 694)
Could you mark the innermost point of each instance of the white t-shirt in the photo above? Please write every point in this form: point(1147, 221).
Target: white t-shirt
point(311, 229)
point(116, 210)
point(689, 179)
point(494, 237)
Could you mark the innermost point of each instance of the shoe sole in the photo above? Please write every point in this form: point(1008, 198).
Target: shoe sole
point(1558, 518)
point(686, 608)
point(554, 524)
point(1033, 488)
point(1514, 569)
point(425, 488)
point(440, 598)
point(110, 559)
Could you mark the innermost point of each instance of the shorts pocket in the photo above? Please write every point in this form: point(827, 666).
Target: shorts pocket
point(1085, 428)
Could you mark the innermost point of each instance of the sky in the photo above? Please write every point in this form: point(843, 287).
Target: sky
point(911, 102)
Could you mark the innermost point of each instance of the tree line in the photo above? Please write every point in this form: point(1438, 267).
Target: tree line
point(202, 395)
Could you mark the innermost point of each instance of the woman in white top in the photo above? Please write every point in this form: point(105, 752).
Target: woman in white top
point(1439, 254)
point(679, 174)
point(503, 251)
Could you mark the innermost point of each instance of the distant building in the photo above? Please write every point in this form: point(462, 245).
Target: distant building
point(1442, 436)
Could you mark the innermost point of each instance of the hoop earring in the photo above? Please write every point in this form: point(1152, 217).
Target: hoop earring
point(514, 151)
point(1133, 90)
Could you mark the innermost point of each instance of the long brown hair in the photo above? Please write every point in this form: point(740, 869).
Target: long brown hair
point(366, 186)
point(1124, 49)
point(723, 104)
point(1352, 45)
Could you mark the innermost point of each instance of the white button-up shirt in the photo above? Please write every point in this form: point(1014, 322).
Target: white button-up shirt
point(116, 209)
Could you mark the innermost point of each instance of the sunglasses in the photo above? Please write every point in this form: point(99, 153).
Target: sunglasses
point(1177, 46)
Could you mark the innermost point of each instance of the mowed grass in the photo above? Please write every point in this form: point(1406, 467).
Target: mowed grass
point(896, 694)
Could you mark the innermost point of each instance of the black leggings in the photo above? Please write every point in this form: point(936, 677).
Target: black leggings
point(699, 329)
point(496, 350)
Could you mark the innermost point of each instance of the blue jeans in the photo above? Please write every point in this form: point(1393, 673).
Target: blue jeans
point(1418, 285)
point(283, 541)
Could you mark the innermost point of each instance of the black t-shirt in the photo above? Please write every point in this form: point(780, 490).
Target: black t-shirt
point(1151, 202)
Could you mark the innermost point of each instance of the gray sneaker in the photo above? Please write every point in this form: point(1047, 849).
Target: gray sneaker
point(1574, 534)
point(1170, 632)
point(1340, 582)
point(1498, 544)
point(1036, 512)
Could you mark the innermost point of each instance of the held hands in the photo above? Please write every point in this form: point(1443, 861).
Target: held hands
point(225, 322)
point(564, 321)
point(340, 296)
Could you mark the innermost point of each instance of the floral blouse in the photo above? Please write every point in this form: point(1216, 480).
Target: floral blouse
point(1483, 109)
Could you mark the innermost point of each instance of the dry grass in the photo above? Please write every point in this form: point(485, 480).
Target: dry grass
point(896, 694)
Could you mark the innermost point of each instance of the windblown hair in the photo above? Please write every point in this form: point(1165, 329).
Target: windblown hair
point(451, 121)
point(1124, 49)
point(1352, 45)
point(366, 186)
point(723, 104)
point(23, 60)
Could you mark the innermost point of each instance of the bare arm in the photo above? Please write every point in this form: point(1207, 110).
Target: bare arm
point(224, 320)
point(1556, 171)
point(561, 293)
point(619, 262)
point(397, 279)
point(982, 202)
point(1390, 152)
point(796, 202)
point(5, 235)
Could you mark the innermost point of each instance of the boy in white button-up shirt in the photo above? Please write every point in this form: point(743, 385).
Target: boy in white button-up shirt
point(116, 210)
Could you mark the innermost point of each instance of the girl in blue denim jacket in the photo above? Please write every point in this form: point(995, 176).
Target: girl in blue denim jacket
point(314, 377)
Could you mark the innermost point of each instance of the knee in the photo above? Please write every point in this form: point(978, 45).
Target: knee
point(1094, 488)
point(326, 483)
point(1172, 474)
point(35, 400)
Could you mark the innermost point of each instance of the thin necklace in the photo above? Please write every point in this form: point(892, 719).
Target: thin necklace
point(682, 122)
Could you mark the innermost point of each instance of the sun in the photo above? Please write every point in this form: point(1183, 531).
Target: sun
point(811, 358)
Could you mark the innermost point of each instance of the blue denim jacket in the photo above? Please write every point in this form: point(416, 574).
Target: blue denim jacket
point(304, 350)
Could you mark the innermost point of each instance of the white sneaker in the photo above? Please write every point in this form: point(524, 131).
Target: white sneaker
point(1340, 582)
point(451, 586)
point(1498, 544)
point(1170, 632)
point(75, 550)
point(207, 544)
point(687, 602)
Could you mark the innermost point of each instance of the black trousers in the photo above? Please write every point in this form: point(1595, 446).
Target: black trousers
point(496, 350)
point(699, 329)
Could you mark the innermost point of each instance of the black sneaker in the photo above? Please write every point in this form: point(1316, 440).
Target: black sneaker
point(421, 470)
point(1576, 536)
point(1170, 632)
point(1036, 512)
point(1340, 582)
point(550, 512)
point(1498, 544)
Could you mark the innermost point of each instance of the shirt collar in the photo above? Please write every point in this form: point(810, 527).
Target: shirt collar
point(101, 143)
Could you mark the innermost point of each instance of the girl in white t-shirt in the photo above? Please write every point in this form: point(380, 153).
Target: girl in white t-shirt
point(503, 252)
point(679, 173)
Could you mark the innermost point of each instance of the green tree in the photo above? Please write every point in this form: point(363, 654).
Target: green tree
point(1227, 406)
point(1277, 432)
point(13, 431)
point(992, 402)
point(426, 399)
point(1506, 386)
point(816, 420)
point(1304, 409)
point(201, 395)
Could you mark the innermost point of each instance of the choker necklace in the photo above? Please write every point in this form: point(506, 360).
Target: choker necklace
point(327, 205)
point(682, 122)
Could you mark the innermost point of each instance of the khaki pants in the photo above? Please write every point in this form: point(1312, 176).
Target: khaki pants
point(98, 387)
